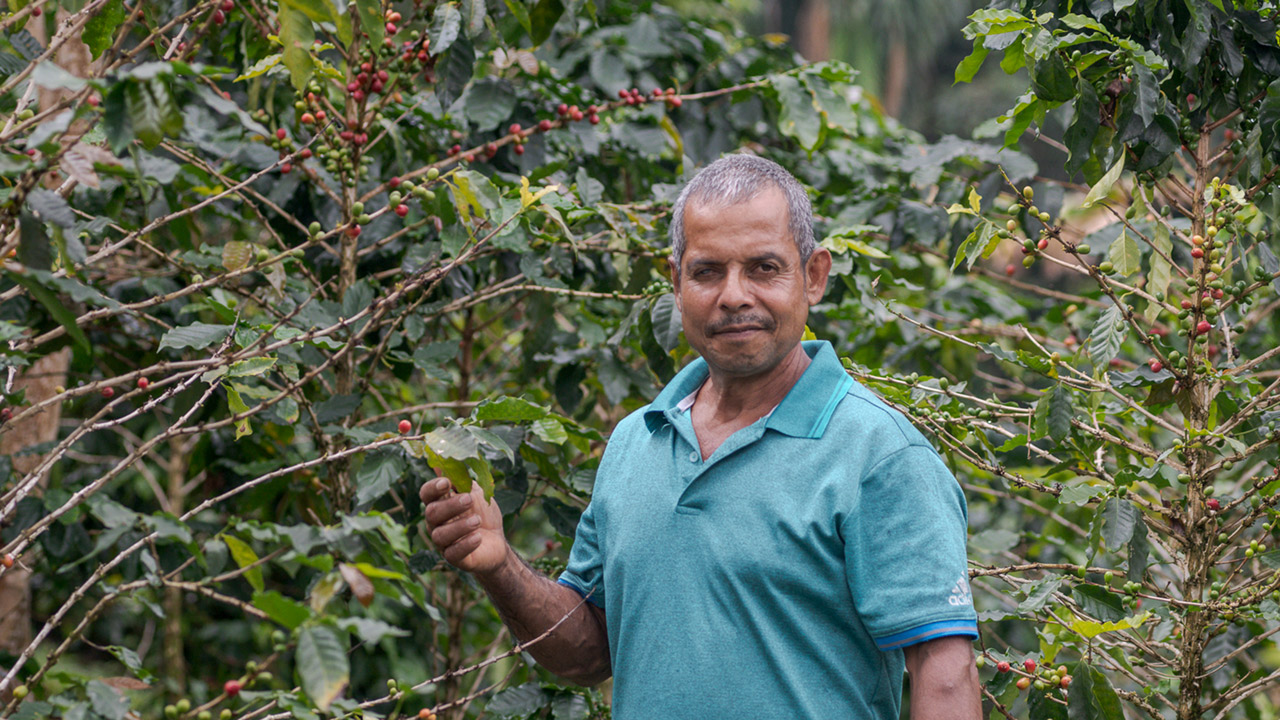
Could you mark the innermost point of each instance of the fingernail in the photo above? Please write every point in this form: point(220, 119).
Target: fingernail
point(442, 484)
point(465, 500)
point(473, 521)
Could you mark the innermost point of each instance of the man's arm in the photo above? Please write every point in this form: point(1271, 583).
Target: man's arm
point(468, 532)
point(944, 680)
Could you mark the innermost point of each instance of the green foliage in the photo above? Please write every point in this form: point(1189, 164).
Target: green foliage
point(247, 232)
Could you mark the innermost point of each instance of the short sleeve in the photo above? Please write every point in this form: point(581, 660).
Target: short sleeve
point(905, 551)
point(585, 572)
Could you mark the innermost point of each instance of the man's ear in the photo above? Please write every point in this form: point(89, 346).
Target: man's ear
point(816, 272)
point(675, 282)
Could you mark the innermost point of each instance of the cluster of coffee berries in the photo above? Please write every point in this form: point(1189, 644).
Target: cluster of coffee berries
point(657, 287)
point(635, 97)
point(219, 16)
point(574, 114)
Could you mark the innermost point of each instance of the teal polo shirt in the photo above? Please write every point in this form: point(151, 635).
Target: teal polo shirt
point(782, 576)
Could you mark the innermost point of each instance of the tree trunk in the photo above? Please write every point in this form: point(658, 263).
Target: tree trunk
point(806, 22)
point(40, 380)
point(897, 68)
point(1200, 526)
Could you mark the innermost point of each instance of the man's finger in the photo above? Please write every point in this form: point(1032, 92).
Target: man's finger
point(433, 490)
point(449, 533)
point(459, 551)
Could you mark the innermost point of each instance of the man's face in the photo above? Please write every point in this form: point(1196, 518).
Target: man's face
point(742, 292)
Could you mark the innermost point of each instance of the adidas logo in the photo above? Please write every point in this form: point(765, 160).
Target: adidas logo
point(960, 594)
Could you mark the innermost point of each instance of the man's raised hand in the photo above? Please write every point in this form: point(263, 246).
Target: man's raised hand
point(465, 527)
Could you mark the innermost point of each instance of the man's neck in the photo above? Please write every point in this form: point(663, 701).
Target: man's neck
point(728, 398)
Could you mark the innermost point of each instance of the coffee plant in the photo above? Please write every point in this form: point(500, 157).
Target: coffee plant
point(1095, 349)
point(268, 266)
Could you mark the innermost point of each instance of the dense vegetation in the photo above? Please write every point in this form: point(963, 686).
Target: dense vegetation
point(267, 267)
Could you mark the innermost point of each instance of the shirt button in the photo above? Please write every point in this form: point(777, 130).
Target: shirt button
point(693, 456)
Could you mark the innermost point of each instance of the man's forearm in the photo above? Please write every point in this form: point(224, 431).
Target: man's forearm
point(531, 603)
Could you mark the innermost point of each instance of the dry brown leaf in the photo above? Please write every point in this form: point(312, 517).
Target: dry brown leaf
point(361, 585)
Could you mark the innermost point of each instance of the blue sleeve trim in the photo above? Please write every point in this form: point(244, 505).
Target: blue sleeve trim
point(928, 631)
point(592, 598)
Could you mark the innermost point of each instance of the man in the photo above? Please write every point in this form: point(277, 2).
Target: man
point(767, 539)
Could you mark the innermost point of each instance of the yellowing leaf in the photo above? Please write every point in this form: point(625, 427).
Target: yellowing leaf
point(527, 197)
point(1102, 188)
point(244, 556)
point(1091, 629)
point(324, 590)
point(236, 403)
point(455, 470)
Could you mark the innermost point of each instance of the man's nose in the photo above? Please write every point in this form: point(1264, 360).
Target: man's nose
point(735, 294)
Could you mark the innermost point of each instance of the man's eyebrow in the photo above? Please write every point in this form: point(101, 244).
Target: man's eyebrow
point(763, 257)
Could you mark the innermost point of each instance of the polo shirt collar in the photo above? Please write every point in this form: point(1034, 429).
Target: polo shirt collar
point(804, 412)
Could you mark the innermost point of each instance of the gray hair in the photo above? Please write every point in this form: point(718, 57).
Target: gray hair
point(735, 179)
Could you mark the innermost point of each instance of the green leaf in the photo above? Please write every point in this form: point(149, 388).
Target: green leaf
point(1098, 602)
point(34, 249)
point(666, 322)
point(152, 111)
point(1051, 79)
point(474, 13)
point(60, 312)
point(797, 116)
point(445, 23)
point(488, 103)
point(99, 31)
point(1060, 413)
point(105, 701)
point(1043, 706)
point(322, 664)
point(371, 22)
point(550, 430)
point(1102, 188)
point(1120, 518)
point(1107, 336)
point(323, 11)
point(281, 609)
point(369, 630)
point(482, 474)
point(244, 557)
point(1161, 271)
point(196, 335)
point(509, 409)
point(261, 67)
point(251, 367)
point(1040, 593)
point(519, 701)
point(1124, 255)
point(51, 208)
point(297, 35)
point(971, 64)
point(452, 442)
point(1091, 696)
point(543, 19)
point(520, 13)
point(1139, 550)
point(380, 471)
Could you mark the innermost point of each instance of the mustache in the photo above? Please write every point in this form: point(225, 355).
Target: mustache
point(763, 322)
